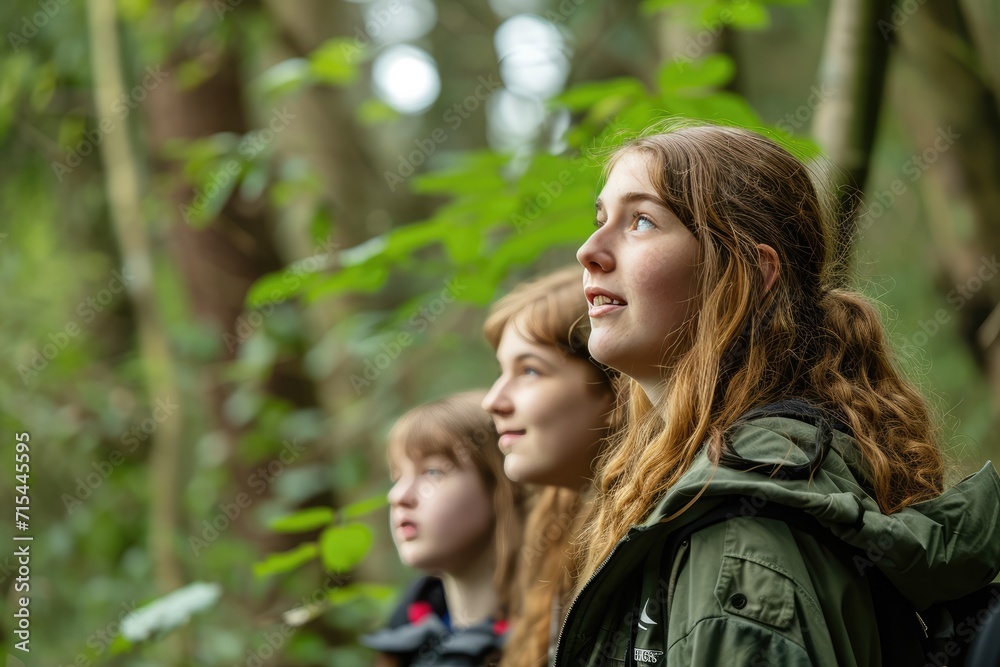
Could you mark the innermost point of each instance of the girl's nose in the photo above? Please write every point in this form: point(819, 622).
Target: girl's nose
point(402, 492)
point(496, 402)
point(595, 254)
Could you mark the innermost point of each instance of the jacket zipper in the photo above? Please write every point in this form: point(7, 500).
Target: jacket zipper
point(572, 604)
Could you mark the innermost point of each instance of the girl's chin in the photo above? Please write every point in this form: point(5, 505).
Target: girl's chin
point(525, 474)
point(602, 347)
point(513, 469)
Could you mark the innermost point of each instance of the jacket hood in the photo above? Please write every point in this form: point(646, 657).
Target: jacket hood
point(932, 551)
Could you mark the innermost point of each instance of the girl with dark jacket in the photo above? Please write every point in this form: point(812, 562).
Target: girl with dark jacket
point(455, 516)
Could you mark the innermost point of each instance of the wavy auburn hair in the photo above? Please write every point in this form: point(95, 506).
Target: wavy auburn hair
point(458, 429)
point(552, 311)
point(744, 347)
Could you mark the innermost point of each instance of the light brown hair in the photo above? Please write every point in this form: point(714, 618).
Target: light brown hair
point(551, 311)
point(458, 429)
point(745, 347)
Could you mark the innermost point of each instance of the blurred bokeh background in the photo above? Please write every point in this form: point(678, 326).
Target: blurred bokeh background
point(239, 237)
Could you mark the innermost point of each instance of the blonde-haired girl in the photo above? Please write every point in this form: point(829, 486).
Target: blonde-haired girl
point(553, 407)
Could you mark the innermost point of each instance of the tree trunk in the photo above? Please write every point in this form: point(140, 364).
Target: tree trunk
point(956, 132)
point(125, 204)
point(852, 76)
point(220, 259)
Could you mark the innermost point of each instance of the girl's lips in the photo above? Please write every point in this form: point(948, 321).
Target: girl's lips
point(600, 301)
point(600, 311)
point(407, 530)
point(507, 439)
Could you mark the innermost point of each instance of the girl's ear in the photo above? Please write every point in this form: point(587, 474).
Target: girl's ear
point(770, 265)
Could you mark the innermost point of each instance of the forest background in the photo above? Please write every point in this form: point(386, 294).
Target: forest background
point(238, 238)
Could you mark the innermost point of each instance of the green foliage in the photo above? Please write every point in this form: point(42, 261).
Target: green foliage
point(741, 14)
point(343, 547)
point(269, 422)
point(286, 561)
point(342, 544)
point(306, 520)
point(335, 63)
point(501, 215)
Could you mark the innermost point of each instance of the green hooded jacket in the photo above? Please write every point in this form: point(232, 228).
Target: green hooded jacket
point(756, 591)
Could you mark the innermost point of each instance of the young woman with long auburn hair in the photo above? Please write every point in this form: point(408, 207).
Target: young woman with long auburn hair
point(553, 407)
point(759, 385)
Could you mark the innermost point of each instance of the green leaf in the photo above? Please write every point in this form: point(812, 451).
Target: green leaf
point(120, 645)
point(287, 560)
point(254, 181)
point(475, 173)
point(744, 15)
point(362, 507)
point(279, 286)
point(653, 6)
point(307, 519)
point(284, 78)
point(586, 95)
point(712, 72)
point(343, 547)
point(364, 278)
point(404, 241)
point(351, 592)
point(192, 73)
point(462, 243)
point(719, 107)
point(375, 112)
point(213, 191)
point(336, 61)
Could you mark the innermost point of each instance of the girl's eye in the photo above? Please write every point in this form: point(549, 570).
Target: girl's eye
point(433, 472)
point(529, 370)
point(643, 222)
point(598, 223)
